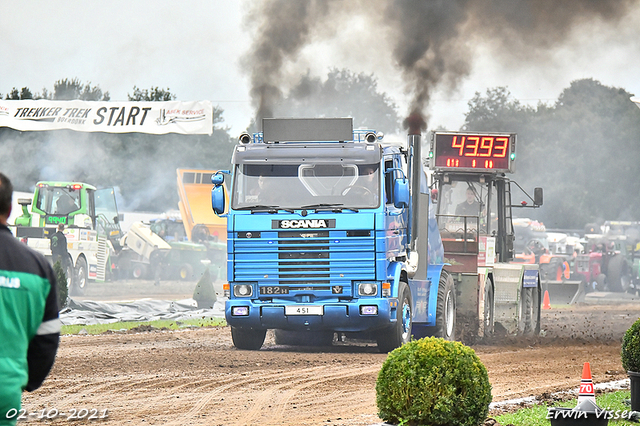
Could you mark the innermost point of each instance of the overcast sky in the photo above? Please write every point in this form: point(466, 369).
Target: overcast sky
point(194, 48)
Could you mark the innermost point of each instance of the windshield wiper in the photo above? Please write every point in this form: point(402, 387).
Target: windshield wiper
point(259, 208)
point(334, 207)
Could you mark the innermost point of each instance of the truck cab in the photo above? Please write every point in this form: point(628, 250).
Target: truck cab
point(320, 236)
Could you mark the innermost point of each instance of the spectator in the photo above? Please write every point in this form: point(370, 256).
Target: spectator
point(59, 247)
point(29, 324)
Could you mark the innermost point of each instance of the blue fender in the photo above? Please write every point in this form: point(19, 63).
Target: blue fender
point(393, 275)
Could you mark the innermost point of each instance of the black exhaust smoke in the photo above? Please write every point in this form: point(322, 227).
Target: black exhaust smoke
point(432, 42)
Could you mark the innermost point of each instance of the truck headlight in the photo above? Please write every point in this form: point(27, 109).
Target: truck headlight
point(367, 289)
point(242, 290)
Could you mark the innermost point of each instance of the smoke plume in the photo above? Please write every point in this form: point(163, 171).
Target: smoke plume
point(431, 42)
point(284, 28)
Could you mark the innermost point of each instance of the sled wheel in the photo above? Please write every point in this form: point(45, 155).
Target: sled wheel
point(489, 309)
point(529, 310)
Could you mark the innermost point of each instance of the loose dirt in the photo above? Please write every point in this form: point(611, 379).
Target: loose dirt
point(197, 377)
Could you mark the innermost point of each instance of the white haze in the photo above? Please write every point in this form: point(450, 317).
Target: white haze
point(193, 48)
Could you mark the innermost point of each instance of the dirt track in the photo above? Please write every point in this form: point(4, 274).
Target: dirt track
point(197, 377)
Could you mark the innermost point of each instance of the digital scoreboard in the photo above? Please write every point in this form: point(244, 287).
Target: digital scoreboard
point(490, 152)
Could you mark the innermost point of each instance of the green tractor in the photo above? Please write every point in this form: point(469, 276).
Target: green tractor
point(92, 228)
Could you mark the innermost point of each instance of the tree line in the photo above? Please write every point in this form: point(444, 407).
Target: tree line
point(71, 89)
point(583, 149)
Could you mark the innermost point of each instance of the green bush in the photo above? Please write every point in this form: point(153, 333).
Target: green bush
point(432, 381)
point(204, 294)
point(631, 348)
point(61, 281)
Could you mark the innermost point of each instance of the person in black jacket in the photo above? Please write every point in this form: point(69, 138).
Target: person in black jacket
point(29, 322)
point(470, 206)
point(59, 247)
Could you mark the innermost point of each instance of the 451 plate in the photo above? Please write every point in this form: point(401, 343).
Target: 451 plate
point(303, 310)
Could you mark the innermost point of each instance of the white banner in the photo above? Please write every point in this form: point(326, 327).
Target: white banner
point(111, 117)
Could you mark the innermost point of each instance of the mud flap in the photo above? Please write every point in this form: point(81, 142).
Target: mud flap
point(425, 301)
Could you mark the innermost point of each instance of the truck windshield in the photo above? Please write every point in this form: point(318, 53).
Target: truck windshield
point(106, 205)
point(58, 200)
point(309, 185)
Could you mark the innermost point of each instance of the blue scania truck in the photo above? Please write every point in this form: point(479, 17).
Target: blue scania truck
point(330, 231)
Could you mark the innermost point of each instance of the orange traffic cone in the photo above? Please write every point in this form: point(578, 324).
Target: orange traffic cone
point(586, 391)
point(546, 304)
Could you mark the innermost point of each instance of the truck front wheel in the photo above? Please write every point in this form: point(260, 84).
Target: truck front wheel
point(400, 333)
point(81, 277)
point(69, 272)
point(251, 340)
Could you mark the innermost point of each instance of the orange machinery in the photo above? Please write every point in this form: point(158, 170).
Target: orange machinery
point(200, 222)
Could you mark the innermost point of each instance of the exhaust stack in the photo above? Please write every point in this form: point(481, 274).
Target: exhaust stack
point(415, 158)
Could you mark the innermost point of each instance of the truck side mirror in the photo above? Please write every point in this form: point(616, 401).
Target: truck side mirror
point(401, 193)
point(217, 179)
point(537, 196)
point(217, 193)
point(217, 199)
point(434, 195)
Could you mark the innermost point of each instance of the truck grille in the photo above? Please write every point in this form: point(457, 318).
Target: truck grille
point(304, 259)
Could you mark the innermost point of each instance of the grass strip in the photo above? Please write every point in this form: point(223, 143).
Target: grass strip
point(613, 402)
point(159, 324)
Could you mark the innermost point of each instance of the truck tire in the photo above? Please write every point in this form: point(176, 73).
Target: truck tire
point(601, 282)
point(303, 338)
point(69, 272)
point(185, 272)
point(81, 277)
point(529, 310)
point(139, 271)
point(618, 276)
point(446, 308)
point(489, 309)
point(250, 340)
point(400, 332)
